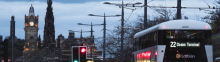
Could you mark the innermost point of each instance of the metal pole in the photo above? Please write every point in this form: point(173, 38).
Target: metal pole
point(104, 40)
point(54, 53)
point(70, 50)
point(91, 41)
point(46, 55)
point(145, 14)
point(122, 31)
point(61, 52)
point(80, 37)
point(178, 9)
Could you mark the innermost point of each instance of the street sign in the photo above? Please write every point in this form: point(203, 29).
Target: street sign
point(3, 59)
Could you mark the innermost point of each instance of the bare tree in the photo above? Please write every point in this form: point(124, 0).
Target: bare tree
point(213, 19)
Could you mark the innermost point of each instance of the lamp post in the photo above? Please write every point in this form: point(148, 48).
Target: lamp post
point(91, 34)
point(104, 30)
point(122, 23)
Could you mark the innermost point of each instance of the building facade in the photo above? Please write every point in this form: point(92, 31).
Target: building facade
point(31, 33)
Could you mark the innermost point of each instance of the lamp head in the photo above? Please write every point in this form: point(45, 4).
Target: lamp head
point(79, 23)
point(91, 15)
point(106, 3)
point(117, 15)
point(138, 3)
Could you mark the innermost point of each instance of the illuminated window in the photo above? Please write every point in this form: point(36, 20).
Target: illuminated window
point(26, 48)
point(37, 44)
point(34, 17)
point(28, 43)
point(83, 44)
point(94, 49)
point(36, 25)
point(25, 24)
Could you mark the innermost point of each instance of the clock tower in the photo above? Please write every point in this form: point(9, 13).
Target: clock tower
point(31, 31)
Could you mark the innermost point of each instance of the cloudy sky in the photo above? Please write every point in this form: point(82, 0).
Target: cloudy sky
point(67, 13)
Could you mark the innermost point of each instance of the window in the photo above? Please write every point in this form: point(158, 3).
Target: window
point(31, 37)
point(184, 34)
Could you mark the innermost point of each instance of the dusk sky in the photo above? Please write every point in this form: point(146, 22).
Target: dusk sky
point(67, 13)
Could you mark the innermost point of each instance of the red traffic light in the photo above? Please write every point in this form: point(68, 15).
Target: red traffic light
point(83, 50)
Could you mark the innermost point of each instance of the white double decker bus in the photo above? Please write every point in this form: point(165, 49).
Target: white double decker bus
point(174, 41)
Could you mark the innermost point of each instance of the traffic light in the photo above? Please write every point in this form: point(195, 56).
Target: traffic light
point(82, 54)
point(75, 54)
point(79, 54)
point(4, 48)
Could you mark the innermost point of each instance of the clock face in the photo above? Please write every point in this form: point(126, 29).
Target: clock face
point(31, 23)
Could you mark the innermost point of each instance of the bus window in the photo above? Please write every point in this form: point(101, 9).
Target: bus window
point(184, 34)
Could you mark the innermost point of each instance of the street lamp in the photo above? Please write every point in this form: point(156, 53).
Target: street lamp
point(104, 28)
point(91, 32)
point(122, 22)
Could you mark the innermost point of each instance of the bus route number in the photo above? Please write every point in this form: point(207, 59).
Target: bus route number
point(173, 44)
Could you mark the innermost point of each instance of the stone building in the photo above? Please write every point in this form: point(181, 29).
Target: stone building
point(32, 41)
point(49, 32)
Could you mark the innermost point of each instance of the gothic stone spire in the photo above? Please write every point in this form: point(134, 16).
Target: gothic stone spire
point(49, 31)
